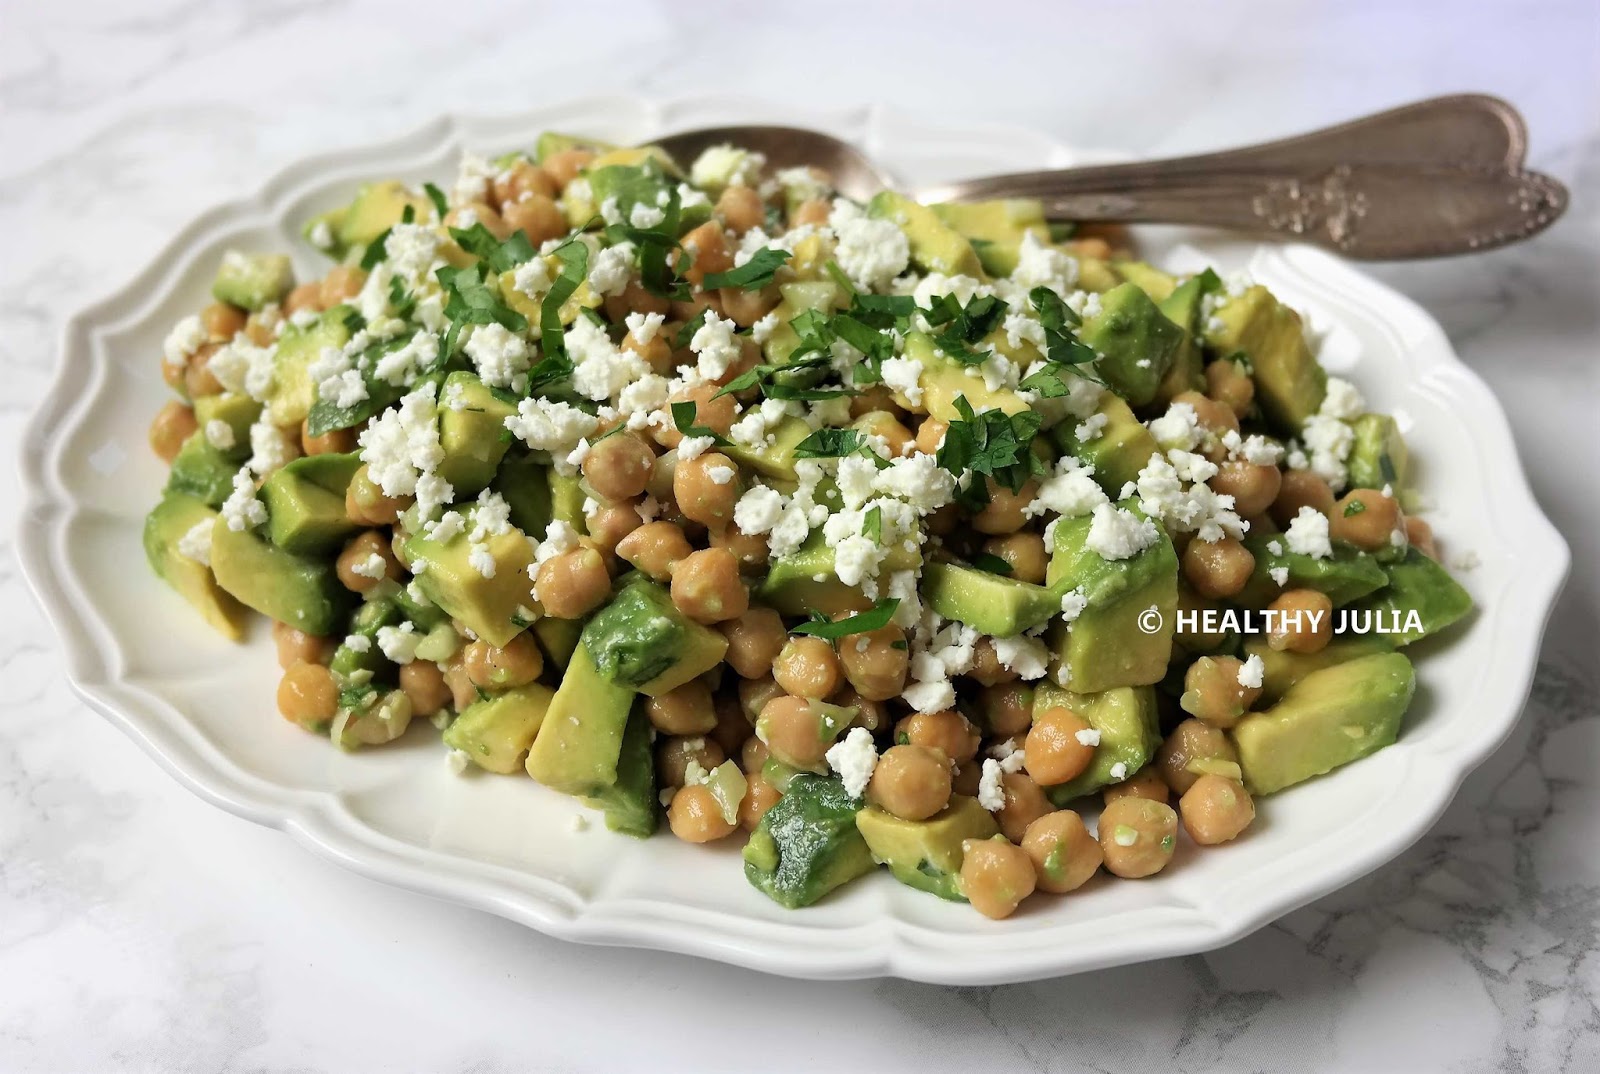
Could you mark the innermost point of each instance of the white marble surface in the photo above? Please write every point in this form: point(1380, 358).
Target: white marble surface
point(141, 929)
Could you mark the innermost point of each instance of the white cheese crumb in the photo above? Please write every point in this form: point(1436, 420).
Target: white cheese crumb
point(854, 758)
point(374, 566)
point(1115, 533)
point(1251, 672)
point(219, 434)
point(195, 544)
point(399, 643)
point(1308, 534)
point(1089, 736)
point(457, 761)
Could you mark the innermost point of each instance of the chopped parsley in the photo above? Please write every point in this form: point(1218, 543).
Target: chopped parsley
point(827, 443)
point(992, 444)
point(877, 617)
point(683, 415)
point(753, 275)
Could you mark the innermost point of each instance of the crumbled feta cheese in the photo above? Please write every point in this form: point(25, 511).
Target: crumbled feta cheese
point(991, 786)
point(721, 475)
point(219, 434)
point(481, 559)
point(457, 761)
point(919, 480)
point(1115, 533)
point(358, 643)
point(645, 217)
point(758, 510)
point(854, 758)
point(241, 510)
point(717, 345)
point(186, 337)
point(610, 269)
point(1039, 265)
point(762, 330)
point(550, 425)
point(1028, 657)
point(1279, 575)
point(500, 355)
point(399, 643)
point(195, 543)
point(1342, 400)
point(532, 278)
point(1178, 428)
point(1119, 772)
point(402, 443)
point(1328, 441)
point(1073, 602)
point(374, 567)
point(870, 252)
point(692, 447)
point(1088, 737)
point(1251, 672)
point(935, 696)
point(1070, 492)
point(644, 327)
point(904, 375)
point(1307, 534)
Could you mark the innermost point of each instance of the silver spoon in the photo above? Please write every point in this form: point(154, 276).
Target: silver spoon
point(1442, 176)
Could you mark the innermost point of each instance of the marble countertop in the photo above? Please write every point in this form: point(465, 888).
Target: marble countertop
point(142, 929)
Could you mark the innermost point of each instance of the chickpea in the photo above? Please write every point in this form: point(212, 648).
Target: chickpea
point(573, 584)
point(1137, 836)
point(745, 308)
point(1145, 783)
point(1057, 749)
point(1217, 568)
point(754, 695)
point(366, 503)
point(654, 547)
point(332, 442)
point(307, 296)
point(1300, 488)
point(685, 710)
point(713, 412)
point(750, 549)
point(425, 687)
point(636, 298)
point(876, 662)
point(261, 326)
point(520, 180)
point(930, 435)
point(1215, 418)
point(807, 667)
point(494, 668)
point(365, 561)
point(875, 397)
point(536, 216)
point(481, 212)
point(793, 729)
point(1304, 622)
point(296, 646)
point(885, 424)
point(1007, 709)
point(1365, 518)
point(1024, 553)
point(611, 523)
point(1230, 386)
point(1420, 535)
point(1063, 852)
point(682, 312)
point(760, 795)
point(341, 283)
point(948, 732)
point(198, 379)
point(695, 816)
point(674, 754)
point(872, 715)
point(754, 641)
point(731, 729)
point(1189, 742)
point(174, 423)
point(1253, 486)
point(996, 876)
point(462, 692)
point(221, 321)
point(565, 166)
point(708, 246)
point(1212, 692)
point(307, 694)
point(1003, 512)
point(741, 209)
point(1025, 802)
point(707, 588)
point(656, 352)
point(1216, 809)
point(986, 666)
point(943, 522)
point(912, 782)
point(813, 212)
point(967, 780)
point(706, 488)
point(618, 466)
point(753, 755)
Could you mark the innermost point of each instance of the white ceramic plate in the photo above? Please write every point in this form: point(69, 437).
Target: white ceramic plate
point(205, 709)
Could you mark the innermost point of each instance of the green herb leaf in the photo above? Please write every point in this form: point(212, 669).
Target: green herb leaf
point(683, 415)
point(987, 561)
point(470, 299)
point(376, 251)
point(840, 278)
point(872, 525)
point(828, 443)
point(690, 327)
point(574, 258)
point(964, 326)
point(481, 243)
point(992, 444)
point(1354, 507)
point(877, 617)
point(753, 275)
point(441, 204)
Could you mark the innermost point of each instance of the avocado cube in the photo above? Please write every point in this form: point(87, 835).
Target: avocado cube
point(944, 380)
point(497, 731)
point(1130, 734)
point(1329, 718)
point(349, 661)
point(377, 208)
point(1347, 575)
point(252, 281)
point(807, 844)
point(1182, 308)
point(235, 410)
point(1122, 449)
point(524, 483)
point(935, 245)
point(305, 502)
point(579, 743)
point(1290, 384)
point(807, 579)
point(164, 527)
point(1111, 643)
point(630, 804)
point(641, 641)
point(301, 591)
point(1379, 456)
point(566, 500)
point(202, 471)
point(495, 607)
point(472, 431)
point(1135, 340)
point(292, 392)
point(926, 854)
point(996, 228)
point(1281, 669)
point(557, 638)
point(628, 185)
point(774, 459)
point(990, 603)
point(1417, 585)
point(1149, 279)
point(549, 143)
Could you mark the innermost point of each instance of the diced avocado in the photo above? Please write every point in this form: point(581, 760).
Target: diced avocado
point(935, 245)
point(1149, 279)
point(235, 410)
point(1281, 669)
point(796, 298)
point(807, 580)
point(566, 500)
point(355, 665)
point(251, 281)
point(557, 638)
point(1182, 308)
point(1289, 381)
point(643, 642)
point(1329, 718)
point(1111, 642)
point(1136, 342)
point(629, 185)
point(636, 156)
point(580, 741)
point(1119, 452)
point(550, 143)
point(1345, 576)
point(926, 854)
point(164, 528)
point(1190, 634)
point(305, 502)
point(292, 391)
point(1130, 734)
point(1379, 456)
point(497, 731)
point(995, 228)
point(472, 431)
point(990, 603)
point(1095, 275)
point(495, 608)
point(630, 804)
point(524, 482)
point(301, 591)
point(202, 471)
point(776, 458)
point(807, 844)
point(944, 380)
point(377, 208)
point(1416, 584)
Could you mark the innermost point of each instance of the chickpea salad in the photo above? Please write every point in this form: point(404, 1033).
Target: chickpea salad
point(941, 538)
